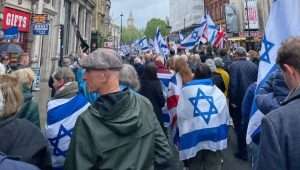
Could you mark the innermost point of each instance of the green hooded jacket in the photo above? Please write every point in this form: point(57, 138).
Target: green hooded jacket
point(119, 132)
point(29, 109)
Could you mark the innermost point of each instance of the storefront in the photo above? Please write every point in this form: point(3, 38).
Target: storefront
point(252, 42)
point(20, 19)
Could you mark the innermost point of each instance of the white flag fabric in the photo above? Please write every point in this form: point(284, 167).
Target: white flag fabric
point(202, 118)
point(160, 45)
point(194, 38)
point(61, 118)
point(143, 45)
point(165, 79)
point(283, 23)
point(212, 29)
point(174, 91)
point(181, 37)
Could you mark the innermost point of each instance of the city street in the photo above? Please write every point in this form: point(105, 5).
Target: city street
point(230, 162)
point(88, 84)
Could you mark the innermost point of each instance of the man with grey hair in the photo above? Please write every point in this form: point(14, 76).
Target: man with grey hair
point(242, 73)
point(120, 130)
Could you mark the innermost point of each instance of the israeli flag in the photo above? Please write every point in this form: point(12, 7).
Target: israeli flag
point(61, 118)
point(283, 23)
point(151, 43)
point(203, 118)
point(194, 38)
point(143, 45)
point(212, 29)
point(181, 37)
point(124, 50)
point(160, 45)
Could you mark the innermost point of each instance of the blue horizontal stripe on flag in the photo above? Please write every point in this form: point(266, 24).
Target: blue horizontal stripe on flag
point(212, 26)
point(189, 44)
point(58, 168)
point(165, 118)
point(207, 82)
point(191, 139)
point(65, 110)
point(163, 46)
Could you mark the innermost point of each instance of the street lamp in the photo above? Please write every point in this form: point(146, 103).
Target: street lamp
point(248, 22)
point(184, 25)
point(121, 39)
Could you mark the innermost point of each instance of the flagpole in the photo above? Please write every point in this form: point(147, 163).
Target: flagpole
point(121, 39)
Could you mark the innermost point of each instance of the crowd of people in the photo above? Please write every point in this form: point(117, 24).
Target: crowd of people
point(106, 112)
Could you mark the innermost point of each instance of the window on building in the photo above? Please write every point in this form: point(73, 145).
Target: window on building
point(53, 3)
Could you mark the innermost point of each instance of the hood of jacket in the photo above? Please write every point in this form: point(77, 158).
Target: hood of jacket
point(293, 95)
point(69, 90)
point(27, 94)
point(119, 111)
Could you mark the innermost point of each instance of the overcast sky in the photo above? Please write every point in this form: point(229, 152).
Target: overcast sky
point(142, 10)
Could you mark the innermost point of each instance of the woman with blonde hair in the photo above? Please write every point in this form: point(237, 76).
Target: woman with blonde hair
point(19, 137)
point(183, 69)
point(29, 109)
point(182, 76)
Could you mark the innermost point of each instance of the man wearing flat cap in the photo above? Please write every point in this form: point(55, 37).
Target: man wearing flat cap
point(120, 131)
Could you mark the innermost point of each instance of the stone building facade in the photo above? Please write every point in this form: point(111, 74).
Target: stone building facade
point(101, 22)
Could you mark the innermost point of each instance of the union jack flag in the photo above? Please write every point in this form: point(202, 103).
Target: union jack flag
point(174, 92)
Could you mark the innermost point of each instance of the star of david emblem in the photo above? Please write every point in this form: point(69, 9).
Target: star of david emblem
point(141, 44)
point(195, 35)
point(203, 106)
point(268, 46)
point(63, 132)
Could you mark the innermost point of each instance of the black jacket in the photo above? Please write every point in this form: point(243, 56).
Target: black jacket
point(20, 138)
point(152, 90)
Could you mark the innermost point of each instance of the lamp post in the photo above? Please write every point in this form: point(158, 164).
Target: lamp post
point(121, 39)
point(248, 22)
point(184, 25)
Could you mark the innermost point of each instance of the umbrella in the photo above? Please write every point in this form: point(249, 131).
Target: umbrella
point(11, 48)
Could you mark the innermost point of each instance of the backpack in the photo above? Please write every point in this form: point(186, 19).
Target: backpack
point(9, 163)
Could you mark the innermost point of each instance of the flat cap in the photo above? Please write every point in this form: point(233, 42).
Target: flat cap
point(102, 58)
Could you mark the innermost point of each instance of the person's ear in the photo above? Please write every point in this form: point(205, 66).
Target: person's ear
point(288, 69)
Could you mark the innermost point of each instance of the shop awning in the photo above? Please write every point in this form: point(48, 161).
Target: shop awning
point(237, 39)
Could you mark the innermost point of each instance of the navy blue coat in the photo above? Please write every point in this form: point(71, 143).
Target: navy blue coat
point(272, 93)
point(242, 73)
